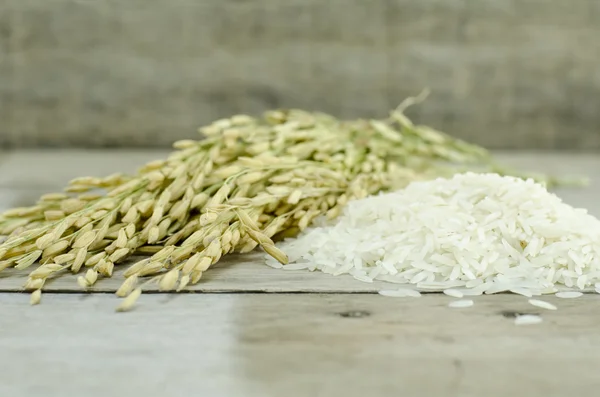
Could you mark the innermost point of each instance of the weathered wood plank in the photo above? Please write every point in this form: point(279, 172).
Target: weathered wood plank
point(296, 345)
point(505, 74)
point(246, 273)
point(235, 273)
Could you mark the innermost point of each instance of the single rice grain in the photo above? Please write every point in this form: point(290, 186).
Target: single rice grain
point(528, 319)
point(453, 293)
point(568, 294)
point(542, 304)
point(461, 303)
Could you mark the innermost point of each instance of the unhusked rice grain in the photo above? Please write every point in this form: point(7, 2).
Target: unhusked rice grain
point(476, 233)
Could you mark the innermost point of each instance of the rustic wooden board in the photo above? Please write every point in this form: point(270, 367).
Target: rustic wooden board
point(246, 273)
point(507, 74)
point(261, 345)
point(348, 342)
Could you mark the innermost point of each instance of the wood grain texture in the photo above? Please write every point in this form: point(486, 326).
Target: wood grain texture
point(504, 74)
point(297, 345)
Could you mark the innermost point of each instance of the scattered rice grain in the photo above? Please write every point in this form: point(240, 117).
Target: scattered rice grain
point(461, 303)
point(568, 294)
point(527, 319)
point(542, 304)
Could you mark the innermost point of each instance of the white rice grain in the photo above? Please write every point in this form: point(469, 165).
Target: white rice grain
point(461, 303)
point(454, 293)
point(568, 294)
point(528, 319)
point(274, 264)
point(542, 304)
point(479, 290)
point(295, 266)
point(411, 293)
point(364, 278)
point(521, 291)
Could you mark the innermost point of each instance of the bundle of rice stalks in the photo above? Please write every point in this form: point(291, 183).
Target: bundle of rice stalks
point(248, 182)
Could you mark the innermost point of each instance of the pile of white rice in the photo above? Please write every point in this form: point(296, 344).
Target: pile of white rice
point(478, 233)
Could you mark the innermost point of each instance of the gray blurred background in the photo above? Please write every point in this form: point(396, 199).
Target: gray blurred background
point(507, 74)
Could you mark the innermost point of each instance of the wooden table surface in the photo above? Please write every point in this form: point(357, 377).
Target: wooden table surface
point(257, 331)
